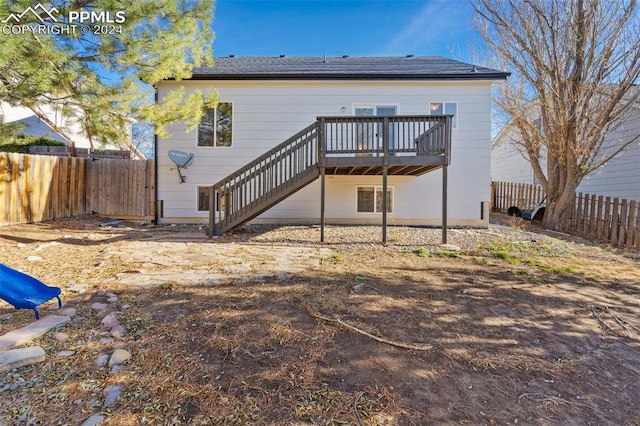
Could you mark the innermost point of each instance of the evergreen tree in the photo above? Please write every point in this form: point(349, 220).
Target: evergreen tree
point(100, 71)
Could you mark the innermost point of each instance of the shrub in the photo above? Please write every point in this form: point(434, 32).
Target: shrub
point(22, 143)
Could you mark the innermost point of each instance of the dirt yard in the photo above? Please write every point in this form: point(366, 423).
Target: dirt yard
point(270, 327)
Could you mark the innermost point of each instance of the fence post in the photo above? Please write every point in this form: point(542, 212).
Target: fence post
point(623, 223)
point(636, 238)
point(631, 230)
point(592, 216)
point(614, 221)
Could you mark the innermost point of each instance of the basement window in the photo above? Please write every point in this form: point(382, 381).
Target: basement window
point(370, 199)
point(203, 200)
point(216, 127)
point(444, 108)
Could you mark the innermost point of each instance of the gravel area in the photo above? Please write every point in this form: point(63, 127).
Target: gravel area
point(370, 237)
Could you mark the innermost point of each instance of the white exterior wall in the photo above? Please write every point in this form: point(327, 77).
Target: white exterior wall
point(267, 113)
point(507, 162)
point(34, 126)
point(620, 177)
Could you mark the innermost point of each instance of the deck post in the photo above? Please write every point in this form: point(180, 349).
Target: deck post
point(322, 206)
point(321, 157)
point(385, 166)
point(384, 204)
point(444, 204)
point(212, 212)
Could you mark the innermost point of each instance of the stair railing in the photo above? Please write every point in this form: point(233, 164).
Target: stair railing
point(264, 181)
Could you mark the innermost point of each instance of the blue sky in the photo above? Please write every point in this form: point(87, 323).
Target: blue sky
point(344, 27)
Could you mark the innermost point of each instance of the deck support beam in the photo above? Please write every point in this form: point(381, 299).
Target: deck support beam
point(385, 172)
point(384, 205)
point(322, 202)
point(444, 204)
point(212, 215)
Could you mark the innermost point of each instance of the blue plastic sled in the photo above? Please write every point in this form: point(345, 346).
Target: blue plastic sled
point(25, 292)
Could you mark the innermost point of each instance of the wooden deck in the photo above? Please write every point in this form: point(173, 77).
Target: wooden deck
point(405, 145)
point(385, 146)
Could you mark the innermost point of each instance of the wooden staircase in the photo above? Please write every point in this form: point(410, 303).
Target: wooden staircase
point(395, 145)
point(264, 182)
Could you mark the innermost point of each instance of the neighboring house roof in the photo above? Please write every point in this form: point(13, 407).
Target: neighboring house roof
point(344, 68)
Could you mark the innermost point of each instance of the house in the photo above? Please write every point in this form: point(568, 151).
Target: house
point(32, 125)
point(619, 177)
point(70, 129)
point(303, 139)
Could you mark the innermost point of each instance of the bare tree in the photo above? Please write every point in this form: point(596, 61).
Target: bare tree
point(575, 67)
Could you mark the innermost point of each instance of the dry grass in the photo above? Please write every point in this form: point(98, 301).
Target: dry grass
point(243, 353)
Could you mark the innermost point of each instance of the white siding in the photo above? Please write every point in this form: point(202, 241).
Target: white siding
point(34, 126)
point(620, 177)
point(508, 164)
point(267, 113)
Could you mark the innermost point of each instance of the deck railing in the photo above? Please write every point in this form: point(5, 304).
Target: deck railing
point(392, 135)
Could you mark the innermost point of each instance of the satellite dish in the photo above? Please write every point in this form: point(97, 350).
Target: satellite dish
point(181, 160)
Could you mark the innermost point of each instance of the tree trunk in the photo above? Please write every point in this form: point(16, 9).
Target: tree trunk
point(557, 207)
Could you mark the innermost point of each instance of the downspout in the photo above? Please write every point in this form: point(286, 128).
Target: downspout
point(155, 163)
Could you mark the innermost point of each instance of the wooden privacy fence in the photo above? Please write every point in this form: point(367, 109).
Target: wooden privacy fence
point(608, 219)
point(34, 188)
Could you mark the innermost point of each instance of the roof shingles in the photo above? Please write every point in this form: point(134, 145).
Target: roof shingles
point(294, 68)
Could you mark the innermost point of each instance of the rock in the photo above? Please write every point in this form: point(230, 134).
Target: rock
point(98, 306)
point(47, 245)
point(111, 295)
point(112, 299)
point(4, 317)
point(25, 334)
point(119, 356)
point(115, 369)
point(101, 293)
point(102, 360)
point(94, 420)
point(125, 307)
point(118, 331)
point(15, 358)
point(358, 288)
point(105, 340)
point(21, 245)
point(69, 312)
point(60, 337)
point(34, 259)
point(110, 321)
point(103, 313)
point(77, 288)
point(144, 296)
point(111, 394)
point(66, 353)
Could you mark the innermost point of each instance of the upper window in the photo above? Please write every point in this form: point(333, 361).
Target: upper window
point(370, 199)
point(216, 127)
point(442, 108)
